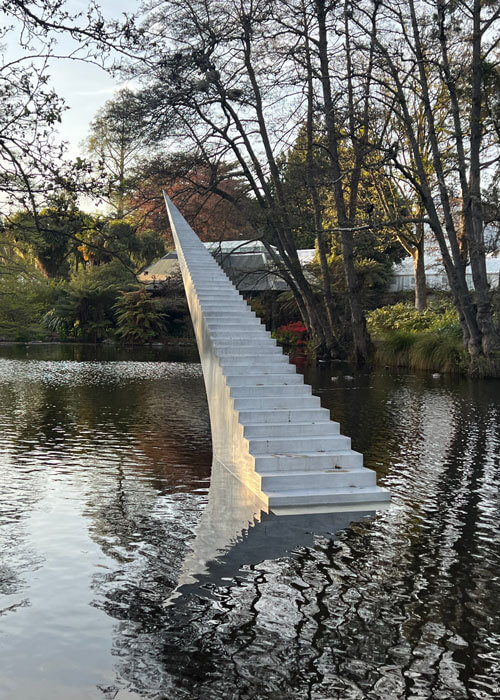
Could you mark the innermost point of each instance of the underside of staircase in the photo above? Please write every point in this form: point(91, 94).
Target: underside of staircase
point(267, 427)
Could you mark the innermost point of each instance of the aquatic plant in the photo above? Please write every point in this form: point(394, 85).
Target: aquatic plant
point(434, 351)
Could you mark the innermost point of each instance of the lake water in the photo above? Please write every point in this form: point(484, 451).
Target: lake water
point(127, 572)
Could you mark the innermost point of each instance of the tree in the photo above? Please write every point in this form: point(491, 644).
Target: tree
point(121, 239)
point(31, 162)
point(33, 167)
point(50, 238)
point(117, 136)
point(398, 201)
point(212, 215)
point(313, 208)
point(215, 94)
point(237, 82)
point(445, 64)
point(84, 308)
point(139, 317)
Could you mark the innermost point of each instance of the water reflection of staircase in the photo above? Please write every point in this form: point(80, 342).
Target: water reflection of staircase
point(237, 531)
point(267, 427)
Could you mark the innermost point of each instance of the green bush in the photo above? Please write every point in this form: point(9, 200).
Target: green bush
point(139, 317)
point(24, 299)
point(84, 308)
point(427, 340)
point(439, 316)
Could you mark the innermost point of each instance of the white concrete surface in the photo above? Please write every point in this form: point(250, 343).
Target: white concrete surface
point(267, 427)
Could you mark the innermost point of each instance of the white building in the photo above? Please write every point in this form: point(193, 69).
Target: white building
point(404, 279)
point(247, 263)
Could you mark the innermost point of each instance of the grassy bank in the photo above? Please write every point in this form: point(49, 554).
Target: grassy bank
point(436, 352)
point(429, 340)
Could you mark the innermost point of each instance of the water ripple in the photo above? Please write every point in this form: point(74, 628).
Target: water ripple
point(104, 476)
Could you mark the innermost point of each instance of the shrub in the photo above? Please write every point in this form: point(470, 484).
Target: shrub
point(261, 310)
point(427, 340)
point(84, 308)
point(404, 317)
point(24, 299)
point(291, 334)
point(430, 350)
point(139, 317)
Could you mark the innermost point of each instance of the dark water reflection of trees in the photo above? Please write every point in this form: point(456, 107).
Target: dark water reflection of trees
point(401, 605)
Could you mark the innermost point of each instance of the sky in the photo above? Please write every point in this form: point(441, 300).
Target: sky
point(83, 86)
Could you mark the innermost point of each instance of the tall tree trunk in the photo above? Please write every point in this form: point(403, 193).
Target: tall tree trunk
point(363, 348)
point(472, 220)
point(490, 341)
point(419, 272)
point(455, 269)
point(332, 343)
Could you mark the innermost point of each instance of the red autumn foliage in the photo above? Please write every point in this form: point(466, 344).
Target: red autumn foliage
point(292, 333)
point(211, 216)
point(294, 327)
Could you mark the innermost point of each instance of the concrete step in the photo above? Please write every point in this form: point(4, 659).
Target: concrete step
point(265, 358)
point(217, 291)
point(228, 314)
point(213, 278)
point(242, 347)
point(283, 403)
point(298, 445)
point(238, 337)
point(267, 367)
point(263, 347)
point(297, 391)
point(237, 378)
point(249, 416)
point(313, 496)
point(225, 299)
point(226, 307)
point(215, 287)
point(246, 334)
point(223, 296)
point(244, 350)
point(308, 461)
point(217, 303)
point(329, 479)
point(237, 324)
point(224, 292)
point(244, 314)
point(263, 430)
point(257, 344)
point(221, 303)
point(242, 319)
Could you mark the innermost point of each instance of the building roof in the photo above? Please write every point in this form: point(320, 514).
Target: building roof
point(167, 266)
point(247, 263)
point(237, 247)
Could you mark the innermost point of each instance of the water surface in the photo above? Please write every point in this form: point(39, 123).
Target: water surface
point(126, 573)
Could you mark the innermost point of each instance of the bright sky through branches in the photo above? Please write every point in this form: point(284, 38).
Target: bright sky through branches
point(83, 86)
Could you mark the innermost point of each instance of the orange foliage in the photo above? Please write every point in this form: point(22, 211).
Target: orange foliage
point(211, 216)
